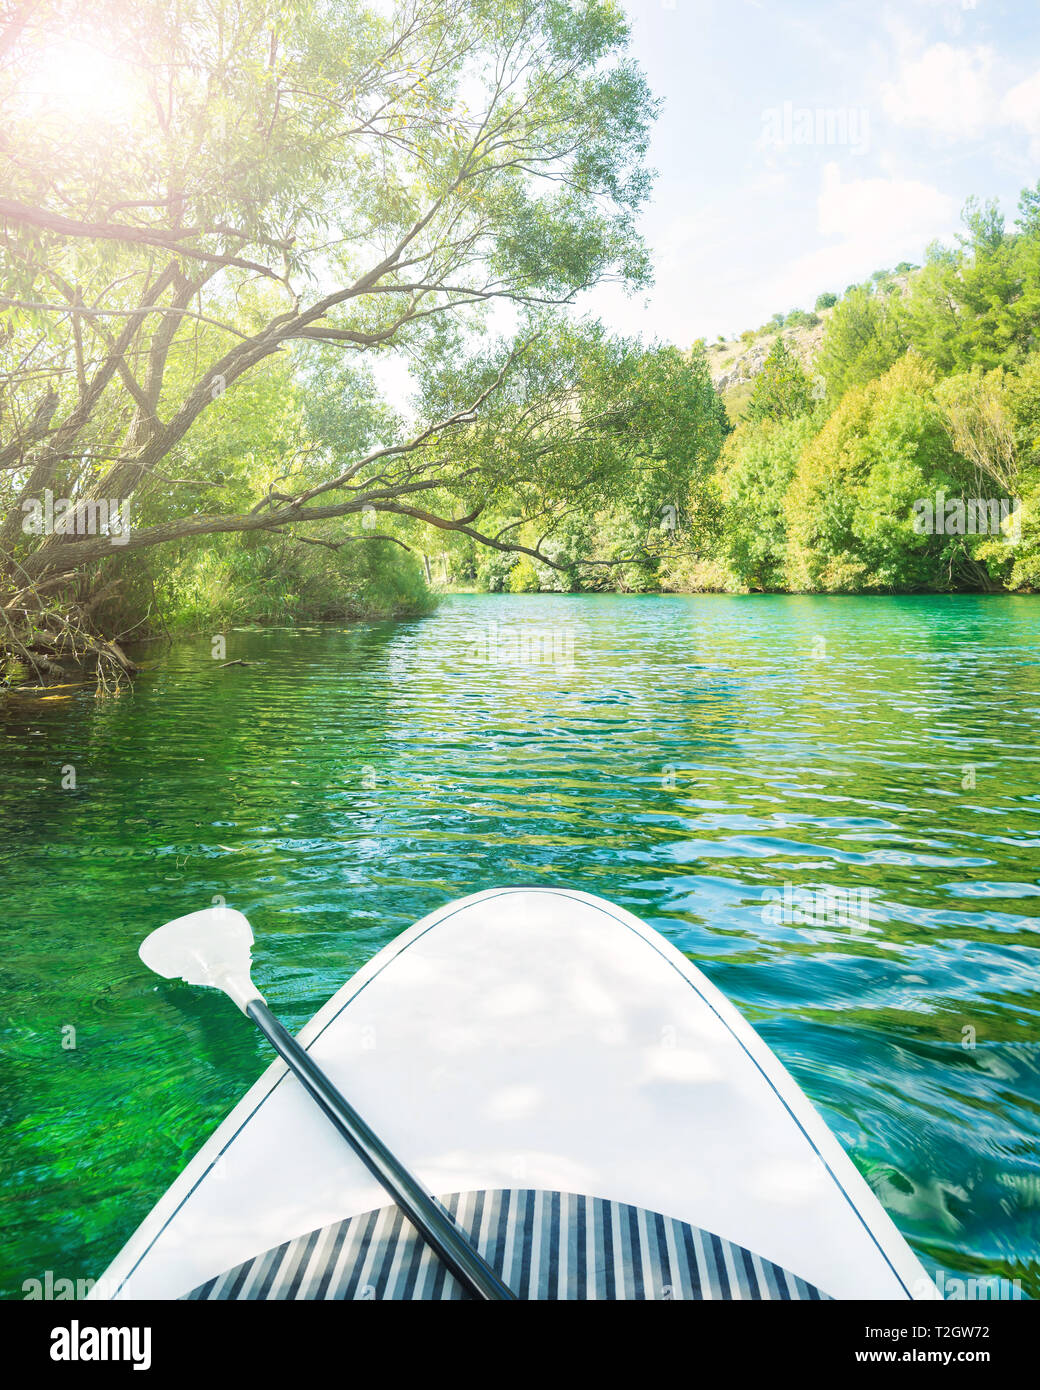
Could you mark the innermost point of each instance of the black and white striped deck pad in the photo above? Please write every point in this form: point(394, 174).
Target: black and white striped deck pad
point(545, 1245)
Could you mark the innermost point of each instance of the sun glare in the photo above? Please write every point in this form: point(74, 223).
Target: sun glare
point(76, 79)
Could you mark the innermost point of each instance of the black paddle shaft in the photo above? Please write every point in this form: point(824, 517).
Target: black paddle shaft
point(429, 1218)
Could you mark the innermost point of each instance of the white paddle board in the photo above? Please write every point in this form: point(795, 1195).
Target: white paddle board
point(590, 1108)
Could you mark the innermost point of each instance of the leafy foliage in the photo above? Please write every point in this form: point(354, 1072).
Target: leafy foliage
point(366, 177)
point(782, 390)
point(850, 507)
point(863, 339)
point(759, 465)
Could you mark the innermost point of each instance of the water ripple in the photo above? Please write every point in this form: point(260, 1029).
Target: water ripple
point(695, 759)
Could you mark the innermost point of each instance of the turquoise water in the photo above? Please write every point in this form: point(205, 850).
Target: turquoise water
point(678, 755)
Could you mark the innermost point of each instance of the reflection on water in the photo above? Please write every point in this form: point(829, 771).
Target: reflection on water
point(703, 761)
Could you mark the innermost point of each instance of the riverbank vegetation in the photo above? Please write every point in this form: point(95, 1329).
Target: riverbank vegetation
point(215, 288)
point(905, 459)
point(215, 218)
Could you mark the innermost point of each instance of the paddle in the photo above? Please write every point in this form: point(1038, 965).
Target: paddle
point(213, 948)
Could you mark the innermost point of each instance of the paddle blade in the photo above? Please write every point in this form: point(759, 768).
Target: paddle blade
point(211, 948)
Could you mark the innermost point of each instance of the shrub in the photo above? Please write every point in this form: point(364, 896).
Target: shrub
point(251, 578)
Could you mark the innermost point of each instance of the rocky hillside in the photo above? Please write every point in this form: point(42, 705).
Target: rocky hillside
point(735, 363)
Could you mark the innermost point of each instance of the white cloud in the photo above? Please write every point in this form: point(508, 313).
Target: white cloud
point(888, 211)
point(962, 93)
point(871, 223)
point(719, 273)
point(1021, 106)
point(946, 89)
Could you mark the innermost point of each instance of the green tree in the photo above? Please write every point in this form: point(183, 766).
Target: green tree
point(782, 390)
point(862, 340)
point(357, 175)
point(977, 304)
point(758, 464)
point(1002, 423)
point(850, 509)
point(633, 435)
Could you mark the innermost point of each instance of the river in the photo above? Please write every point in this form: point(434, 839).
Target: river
point(699, 760)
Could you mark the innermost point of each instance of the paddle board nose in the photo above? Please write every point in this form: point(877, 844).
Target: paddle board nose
point(596, 1115)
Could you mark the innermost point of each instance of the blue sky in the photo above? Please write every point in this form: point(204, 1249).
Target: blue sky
point(805, 143)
